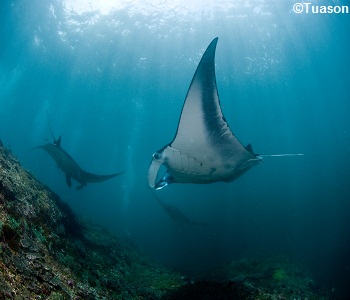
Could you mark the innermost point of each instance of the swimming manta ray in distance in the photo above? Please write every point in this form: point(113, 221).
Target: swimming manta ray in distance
point(204, 149)
point(70, 168)
point(175, 214)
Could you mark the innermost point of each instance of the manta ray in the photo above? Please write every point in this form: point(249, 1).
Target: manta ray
point(175, 214)
point(70, 168)
point(204, 149)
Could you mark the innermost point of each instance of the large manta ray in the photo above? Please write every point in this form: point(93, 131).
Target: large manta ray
point(70, 168)
point(204, 149)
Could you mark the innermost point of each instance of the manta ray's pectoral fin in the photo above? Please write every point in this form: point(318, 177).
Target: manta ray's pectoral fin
point(79, 187)
point(158, 160)
point(69, 180)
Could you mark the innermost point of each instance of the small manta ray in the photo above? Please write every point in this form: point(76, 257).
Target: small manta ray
point(176, 214)
point(70, 168)
point(204, 149)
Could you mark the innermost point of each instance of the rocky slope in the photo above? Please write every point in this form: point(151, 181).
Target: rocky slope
point(46, 253)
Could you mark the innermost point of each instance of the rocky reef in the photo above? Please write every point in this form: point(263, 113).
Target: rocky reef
point(274, 278)
point(46, 252)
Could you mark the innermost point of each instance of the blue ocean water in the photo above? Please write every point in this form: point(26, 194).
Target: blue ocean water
point(111, 77)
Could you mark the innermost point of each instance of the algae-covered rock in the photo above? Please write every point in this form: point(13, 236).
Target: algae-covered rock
point(279, 275)
point(46, 252)
point(267, 279)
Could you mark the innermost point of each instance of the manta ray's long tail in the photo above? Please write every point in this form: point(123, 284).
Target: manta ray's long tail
point(90, 177)
point(281, 155)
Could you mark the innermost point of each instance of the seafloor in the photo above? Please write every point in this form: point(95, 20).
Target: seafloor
point(46, 252)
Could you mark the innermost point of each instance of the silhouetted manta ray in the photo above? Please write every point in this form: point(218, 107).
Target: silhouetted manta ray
point(70, 168)
point(175, 214)
point(204, 149)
